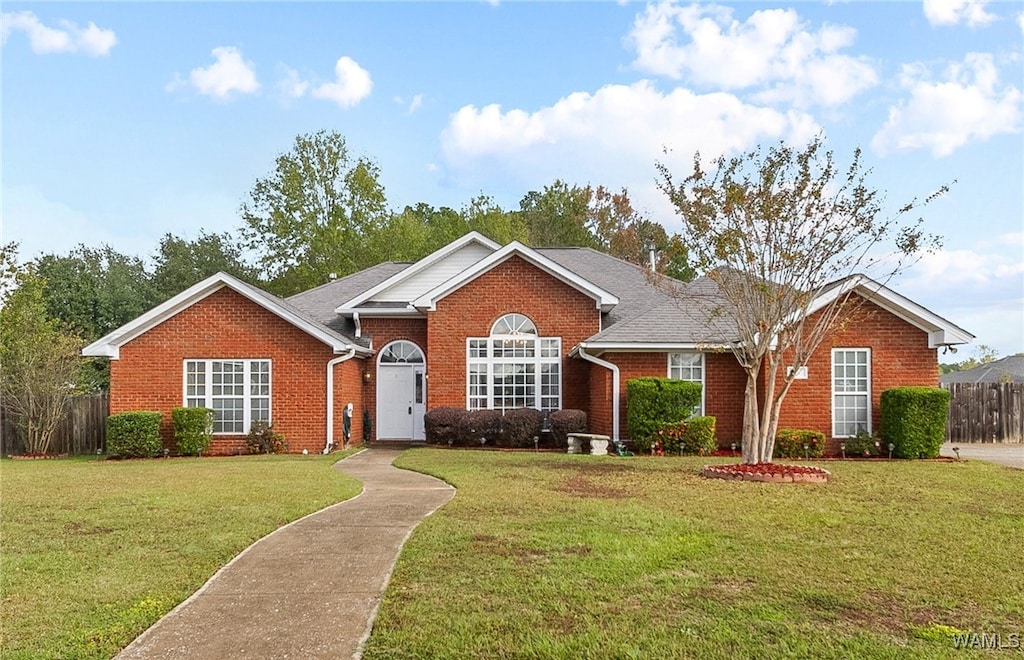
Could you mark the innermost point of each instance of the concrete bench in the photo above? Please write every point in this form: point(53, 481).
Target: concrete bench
point(598, 443)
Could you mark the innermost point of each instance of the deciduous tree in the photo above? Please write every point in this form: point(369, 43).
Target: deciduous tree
point(777, 228)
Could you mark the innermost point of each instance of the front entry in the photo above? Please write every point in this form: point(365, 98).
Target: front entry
point(401, 395)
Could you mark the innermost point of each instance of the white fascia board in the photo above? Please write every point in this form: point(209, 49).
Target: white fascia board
point(110, 345)
point(940, 331)
point(366, 312)
point(599, 347)
point(604, 300)
point(412, 269)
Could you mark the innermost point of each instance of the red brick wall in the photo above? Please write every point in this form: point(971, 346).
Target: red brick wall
point(513, 286)
point(724, 382)
point(148, 375)
point(899, 356)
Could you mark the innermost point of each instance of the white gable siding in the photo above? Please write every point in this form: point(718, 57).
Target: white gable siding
point(425, 280)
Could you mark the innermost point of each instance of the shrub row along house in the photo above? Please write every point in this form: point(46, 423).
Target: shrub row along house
point(478, 325)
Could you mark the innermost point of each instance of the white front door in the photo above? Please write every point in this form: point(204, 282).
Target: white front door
point(401, 402)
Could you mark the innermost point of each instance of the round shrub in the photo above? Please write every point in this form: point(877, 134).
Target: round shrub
point(521, 426)
point(193, 428)
point(477, 424)
point(262, 439)
point(441, 425)
point(564, 422)
point(134, 434)
point(695, 435)
point(789, 443)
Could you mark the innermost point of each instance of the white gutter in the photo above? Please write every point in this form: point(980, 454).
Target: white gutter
point(615, 386)
point(330, 395)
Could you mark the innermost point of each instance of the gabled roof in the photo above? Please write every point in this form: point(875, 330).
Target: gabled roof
point(1004, 370)
point(419, 268)
point(940, 331)
point(602, 298)
point(110, 345)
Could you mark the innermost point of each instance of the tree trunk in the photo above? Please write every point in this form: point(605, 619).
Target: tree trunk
point(751, 420)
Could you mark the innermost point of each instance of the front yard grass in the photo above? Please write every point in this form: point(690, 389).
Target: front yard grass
point(542, 555)
point(92, 552)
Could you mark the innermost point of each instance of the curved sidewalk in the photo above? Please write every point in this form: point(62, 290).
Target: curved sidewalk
point(311, 588)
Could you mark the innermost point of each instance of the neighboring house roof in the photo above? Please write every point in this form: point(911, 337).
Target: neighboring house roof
point(110, 345)
point(1004, 370)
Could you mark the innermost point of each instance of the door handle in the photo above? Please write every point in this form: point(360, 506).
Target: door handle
point(410, 410)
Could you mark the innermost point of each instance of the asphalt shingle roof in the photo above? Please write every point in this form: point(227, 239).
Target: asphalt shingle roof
point(1005, 370)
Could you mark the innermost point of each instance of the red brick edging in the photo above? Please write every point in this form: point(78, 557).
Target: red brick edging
point(768, 472)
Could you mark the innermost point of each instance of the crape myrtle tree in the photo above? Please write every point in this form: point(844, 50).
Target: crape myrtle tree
point(776, 229)
point(310, 219)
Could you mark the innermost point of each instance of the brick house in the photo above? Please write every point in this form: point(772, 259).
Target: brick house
point(480, 325)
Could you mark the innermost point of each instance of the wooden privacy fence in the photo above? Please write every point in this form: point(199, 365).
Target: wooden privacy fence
point(985, 412)
point(82, 431)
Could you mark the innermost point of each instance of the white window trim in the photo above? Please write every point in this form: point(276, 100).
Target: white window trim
point(247, 404)
point(703, 375)
point(537, 361)
point(832, 388)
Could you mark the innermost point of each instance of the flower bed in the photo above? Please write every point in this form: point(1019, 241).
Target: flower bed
point(772, 472)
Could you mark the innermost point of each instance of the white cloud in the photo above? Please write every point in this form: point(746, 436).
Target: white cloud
point(291, 85)
point(229, 74)
point(413, 104)
point(967, 105)
point(952, 12)
point(69, 38)
point(611, 137)
point(771, 53)
point(352, 84)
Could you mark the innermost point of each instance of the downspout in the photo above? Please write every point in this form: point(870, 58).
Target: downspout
point(615, 386)
point(359, 325)
point(330, 395)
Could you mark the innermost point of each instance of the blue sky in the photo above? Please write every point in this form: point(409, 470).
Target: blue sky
point(122, 122)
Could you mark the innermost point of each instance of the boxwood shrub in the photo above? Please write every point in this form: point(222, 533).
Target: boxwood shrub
point(521, 426)
point(789, 443)
point(655, 402)
point(441, 424)
point(477, 424)
point(134, 434)
point(564, 422)
point(914, 420)
point(192, 429)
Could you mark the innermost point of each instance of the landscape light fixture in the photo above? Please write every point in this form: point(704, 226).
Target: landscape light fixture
point(891, 447)
point(842, 448)
point(956, 450)
point(806, 456)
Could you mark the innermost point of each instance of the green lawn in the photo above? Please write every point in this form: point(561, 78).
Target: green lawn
point(543, 555)
point(92, 552)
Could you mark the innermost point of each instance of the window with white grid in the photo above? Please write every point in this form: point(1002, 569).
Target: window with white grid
point(514, 367)
point(238, 391)
point(688, 366)
point(851, 391)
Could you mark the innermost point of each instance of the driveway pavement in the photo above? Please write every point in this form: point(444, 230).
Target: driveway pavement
point(1004, 453)
point(310, 589)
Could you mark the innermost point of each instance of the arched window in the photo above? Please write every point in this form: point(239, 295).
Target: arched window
point(513, 367)
point(401, 352)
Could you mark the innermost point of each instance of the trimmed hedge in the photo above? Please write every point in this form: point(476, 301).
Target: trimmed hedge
point(521, 426)
point(134, 434)
point(789, 443)
point(695, 435)
point(914, 419)
point(564, 422)
point(477, 424)
point(441, 425)
point(655, 402)
point(193, 428)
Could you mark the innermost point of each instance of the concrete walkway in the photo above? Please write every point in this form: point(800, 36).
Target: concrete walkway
point(310, 589)
point(1004, 453)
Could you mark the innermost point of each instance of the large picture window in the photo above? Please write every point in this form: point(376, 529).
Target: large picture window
point(851, 392)
point(238, 391)
point(513, 367)
point(688, 366)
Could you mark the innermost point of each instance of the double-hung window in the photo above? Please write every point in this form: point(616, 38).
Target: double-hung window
point(851, 391)
point(513, 367)
point(688, 366)
point(238, 392)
